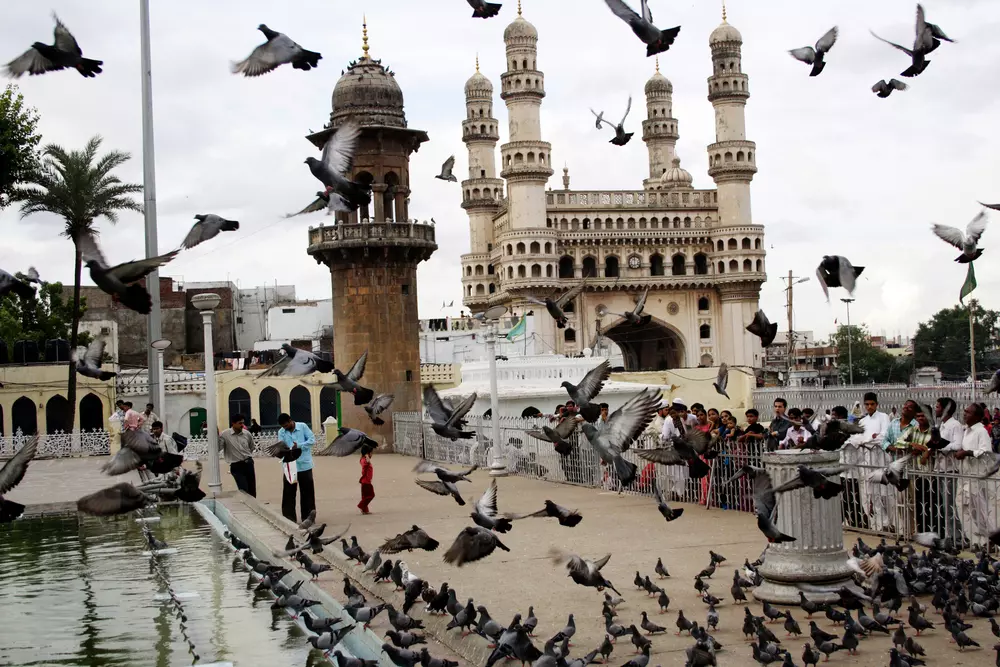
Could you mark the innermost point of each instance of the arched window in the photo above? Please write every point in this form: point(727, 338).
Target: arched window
point(760, 266)
point(510, 272)
point(703, 303)
point(327, 403)
point(746, 243)
point(677, 265)
point(493, 288)
point(756, 244)
point(548, 222)
point(468, 270)
point(480, 290)
point(389, 197)
point(24, 416)
point(700, 264)
point(521, 273)
point(468, 290)
point(269, 407)
point(91, 413)
point(687, 223)
point(704, 332)
point(722, 267)
point(57, 415)
point(548, 270)
point(489, 269)
point(732, 244)
point(747, 265)
point(510, 249)
point(530, 412)
point(239, 404)
point(520, 248)
point(548, 248)
point(535, 248)
point(656, 265)
point(570, 336)
point(300, 405)
point(366, 178)
point(734, 265)
point(589, 267)
point(536, 270)
point(479, 269)
point(611, 267)
point(566, 267)
point(720, 246)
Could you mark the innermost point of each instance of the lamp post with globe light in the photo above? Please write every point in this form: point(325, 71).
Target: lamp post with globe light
point(207, 303)
point(161, 346)
point(498, 458)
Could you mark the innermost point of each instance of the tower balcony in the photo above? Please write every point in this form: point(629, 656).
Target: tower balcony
point(482, 193)
point(480, 130)
point(729, 86)
point(526, 160)
point(372, 243)
point(734, 160)
point(660, 128)
point(522, 84)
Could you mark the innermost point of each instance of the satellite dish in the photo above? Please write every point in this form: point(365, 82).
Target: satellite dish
point(494, 313)
point(602, 310)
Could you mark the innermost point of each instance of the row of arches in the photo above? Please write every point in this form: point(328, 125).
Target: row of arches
point(484, 129)
point(732, 244)
point(612, 266)
point(519, 158)
point(733, 67)
point(481, 289)
point(535, 248)
point(727, 157)
point(24, 415)
point(737, 84)
point(485, 193)
point(388, 207)
point(667, 127)
point(529, 83)
point(748, 266)
point(483, 113)
point(269, 405)
point(479, 270)
point(575, 224)
point(524, 64)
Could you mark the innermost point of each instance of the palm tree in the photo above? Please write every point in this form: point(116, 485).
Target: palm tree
point(79, 187)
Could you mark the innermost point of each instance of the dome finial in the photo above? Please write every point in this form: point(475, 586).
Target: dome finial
point(518, 7)
point(657, 64)
point(364, 37)
point(723, 11)
point(477, 62)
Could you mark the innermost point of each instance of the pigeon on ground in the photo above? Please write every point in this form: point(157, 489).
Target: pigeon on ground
point(118, 499)
point(400, 621)
point(763, 328)
point(656, 40)
point(11, 475)
point(446, 168)
point(365, 614)
point(308, 522)
point(280, 450)
point(816, 56)
point(333, 167)
point(822, 481)
point(566, 517)
point(349, 382)
point(88, 361)
point(120, 280)
point(558, 436)
point(278, 50)
point(404, 639)
point(664, 509)
point(297, 363)
point(9, 283)
point(722, 380)
point(484, 10)
point(463, 618)
point(968, 241)
point(377, 406)
point(426, 660)
point(447, 421)
point(486, 513)
point(837, 271)
point(884, 88)
point(209, 226)
point(349, 441)
point(583, 572)
point(555, 306)
point(624, 425)
point(621, 138)
point(414, 538)
point(330, 639)
point(472, 544)
point(893, 474)
point(314, 540)
point(63, 53)
point(585, 392)
point(446, 480)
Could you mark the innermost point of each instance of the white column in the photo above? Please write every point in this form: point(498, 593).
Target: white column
point(498, 459)
point(160, 346)
point(206, 303)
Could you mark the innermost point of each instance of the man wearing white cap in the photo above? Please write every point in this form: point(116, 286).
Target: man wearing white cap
point(677, 411)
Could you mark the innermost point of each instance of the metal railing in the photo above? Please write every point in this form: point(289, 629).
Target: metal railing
point(957, 505)
point(59, 445)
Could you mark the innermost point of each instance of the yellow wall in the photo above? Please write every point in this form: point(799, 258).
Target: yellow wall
point(694, 385)
point(40, 382)
point(227, 381)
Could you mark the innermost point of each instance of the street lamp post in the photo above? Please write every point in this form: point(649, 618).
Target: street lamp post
point(206, 303)
point(850, 351)
point(791, 334)
point(498, 458)
point(160, 346)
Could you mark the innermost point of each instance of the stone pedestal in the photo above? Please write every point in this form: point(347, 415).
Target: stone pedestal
point(816, 563)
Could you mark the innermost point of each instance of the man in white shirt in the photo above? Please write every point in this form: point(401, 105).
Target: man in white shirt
point(865, 449)
point(678, 475)
point(976, 456)
point(149, 416)
point(952, 430)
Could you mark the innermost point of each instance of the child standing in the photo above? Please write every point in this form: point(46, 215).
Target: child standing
point(367, 490)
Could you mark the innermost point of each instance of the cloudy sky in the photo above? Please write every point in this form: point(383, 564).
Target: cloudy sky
point(841, 171)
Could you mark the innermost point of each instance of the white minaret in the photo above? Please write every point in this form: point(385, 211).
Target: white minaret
point(732, 163)
point(482, 191)
point(526, 158)
point(659, 130)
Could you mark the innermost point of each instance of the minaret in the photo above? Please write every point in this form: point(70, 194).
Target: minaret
point(659, 130)
point(482, 191)
point(526, 158)
point(739, 268)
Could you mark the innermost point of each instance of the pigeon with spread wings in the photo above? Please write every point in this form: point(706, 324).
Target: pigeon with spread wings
point(208, 226)
point(349, 441)
point(621, 136)
point(472, 544)
point(280, 450)
point(446, 169)
point(446, 420)
point(414, 538)
point(893, 474)
point(926, 39)
point(624, 425)
point(297, 363)
point(656, 40)
point(967, 242)
point(63, 53)
point(9, 283)
point(121, 498)
point(635, 316)
point(591, 385)
point(763, 328)
point(377, 406)
point(687, 449)
point(446, 480)
point(333, 166)
point(816, 56)
point(278, 50)
point(837, 271)
point(486, 513)
point(11, 475)
point(120, 280)
point(484, 10)
point(722, 380)
point(559, 436)
point(661, 504)
point(349, 381)
point(884, 88)
point(765, 502)
point(582, 571)
point(820, 480)
point(140, 448)
point(566, 516)
point(88, 361)
point(555, 307)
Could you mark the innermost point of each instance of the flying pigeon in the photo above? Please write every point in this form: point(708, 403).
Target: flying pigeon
point(621, 136)
point(967, 242)
point(88, 361)
point(624, 425)
point(763, 328)
point(11, 475)
point(635, 316)
point(927, 38)
point(664, 509)
point(62, 53)
point(555, 307)
point(278, 50)
point(349, 381)
point(446, 480)
point(414, 538)
point(722, 381)
point(377, 406)
point(333, 166)
point(820, 480)
point(836, 271)
point(486, 513)
point(994, 383)
point(297, 363)
point(884, 88)
point(472, 544)
point(995, 207)
point(118, 499)
point(892, 474)
point(447, 422)
point(765, 503)
point(584, 572)
point(321, 202)
point(484, 10)
point(209, 226)
point(280, 450)
point(446, 168)
point(349, 441)
point(140, 448)
point(815, 56)
point(120, 280)
point(591, 385)
point(9, 283)
point(682, 450)
point(566, 517)
point(656, 40)
point(559, 436)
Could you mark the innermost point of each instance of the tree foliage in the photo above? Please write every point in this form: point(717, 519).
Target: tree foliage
point(18, 141)
point(944, 341)
point(46, 316)
point(870, 363)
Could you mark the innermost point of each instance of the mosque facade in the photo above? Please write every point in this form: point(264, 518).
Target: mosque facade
point(696, 250)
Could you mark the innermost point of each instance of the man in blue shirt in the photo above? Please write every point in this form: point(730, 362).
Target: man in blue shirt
point(298, 435)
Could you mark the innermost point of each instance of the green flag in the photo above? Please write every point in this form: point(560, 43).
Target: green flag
point(969, 285)
point(518, 329)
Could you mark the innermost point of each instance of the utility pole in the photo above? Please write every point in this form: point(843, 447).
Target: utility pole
point(154, 329)
point(972, 345)
point(791, 334)
point(850, 352)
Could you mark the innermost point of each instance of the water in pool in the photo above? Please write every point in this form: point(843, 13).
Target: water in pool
point(76, 591)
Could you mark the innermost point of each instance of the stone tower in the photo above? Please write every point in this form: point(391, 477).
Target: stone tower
point(659, 130)
point(373, 254)
point(482, 191)
point(732, 164)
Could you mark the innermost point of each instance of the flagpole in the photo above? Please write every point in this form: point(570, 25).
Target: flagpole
point(972, 346)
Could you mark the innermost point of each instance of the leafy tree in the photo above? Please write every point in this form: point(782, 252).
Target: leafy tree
point(944, 341)
point(870, 363)
point(18, 141)
point(79, 187)
point(46, 316)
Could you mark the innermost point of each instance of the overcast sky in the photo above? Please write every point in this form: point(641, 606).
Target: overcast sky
point(840, 170)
